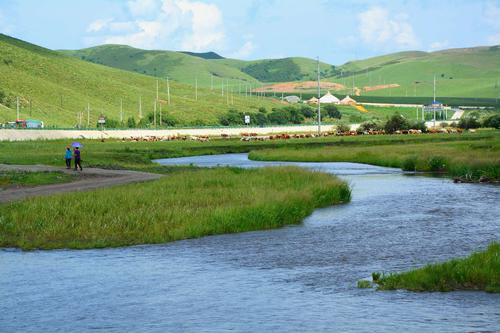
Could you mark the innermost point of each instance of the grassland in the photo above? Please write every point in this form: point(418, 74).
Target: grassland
point(471, 72)
point(19, 179)
point(469, 161)
point(56, 88)
point(186, 204)
point(479, 271)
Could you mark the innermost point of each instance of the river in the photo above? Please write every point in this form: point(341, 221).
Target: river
point(295, 279)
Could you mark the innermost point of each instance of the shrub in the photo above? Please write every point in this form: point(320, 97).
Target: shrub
point(420, 125)
point(261, 119)
point(469, 122)
point(410, 164)
point(131, 122)
point(232, 117)
point(279, 117)
point(332, 111)
point(396, 123)
point(492, 121)
point(308, 112)
point(437, 163)
point(262, 109)
point(341, 127)
point(370, 125)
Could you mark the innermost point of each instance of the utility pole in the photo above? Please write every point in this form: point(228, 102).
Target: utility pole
point(154, 114)
point(140, 107)
point(196, 88)
point(319, 102)
point(168, 92)
point(17, 108)
point(434, 88)
point(160, 116)
point(121, 110)
point(156, 89)
point(88, 115)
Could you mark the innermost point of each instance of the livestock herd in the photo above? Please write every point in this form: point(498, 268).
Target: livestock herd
point(282, 136)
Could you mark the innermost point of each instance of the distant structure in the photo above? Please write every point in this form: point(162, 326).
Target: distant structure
point(348, 101)
point(292, 99)
point(328, 98)
point(313, 100)
point(437, 111)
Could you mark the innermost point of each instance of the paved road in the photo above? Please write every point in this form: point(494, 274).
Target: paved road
point(93, 178)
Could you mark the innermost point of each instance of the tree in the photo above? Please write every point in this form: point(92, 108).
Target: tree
point(492, 121)
point(332, 111)
point(469, 122)
point(131, 122)
point(396, 123)
point(279, 117)
point(307, 111)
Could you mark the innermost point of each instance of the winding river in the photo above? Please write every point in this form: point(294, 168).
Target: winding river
point(295, 279)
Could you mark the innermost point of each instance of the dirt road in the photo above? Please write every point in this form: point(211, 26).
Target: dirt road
point(92, 178)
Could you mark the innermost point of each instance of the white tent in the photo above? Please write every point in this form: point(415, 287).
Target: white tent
point(348, 100)
point(313, 100)
point(329, 99)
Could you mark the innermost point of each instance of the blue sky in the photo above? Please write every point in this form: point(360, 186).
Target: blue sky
point(337, 31)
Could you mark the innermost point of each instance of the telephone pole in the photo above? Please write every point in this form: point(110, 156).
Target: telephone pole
point(196, 88)
point(168, 92)
point(319, 102)
point(140, 107)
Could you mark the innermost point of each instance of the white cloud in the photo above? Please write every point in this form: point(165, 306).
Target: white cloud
point(186, 24)
point(245, 50)
point(379, 27)
point(438, 45)
point(494, 39)
point(98, 25)
point(492, 14)
point(143, 7)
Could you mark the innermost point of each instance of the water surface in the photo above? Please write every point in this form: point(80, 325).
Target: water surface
point(295, 279)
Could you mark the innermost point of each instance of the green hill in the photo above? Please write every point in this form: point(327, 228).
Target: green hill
point(56, 88)
point(467, 72)
point(209, 68)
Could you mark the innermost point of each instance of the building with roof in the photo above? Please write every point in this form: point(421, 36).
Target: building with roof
point(348, 101)
point(328, 98)
point(292, 99)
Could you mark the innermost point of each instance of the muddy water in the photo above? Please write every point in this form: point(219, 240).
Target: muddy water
point(296, 279)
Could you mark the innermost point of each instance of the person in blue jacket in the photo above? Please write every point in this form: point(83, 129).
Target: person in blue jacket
point(68, 157)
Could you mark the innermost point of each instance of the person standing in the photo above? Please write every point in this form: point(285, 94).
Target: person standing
point(68, 157)
point(78, 161)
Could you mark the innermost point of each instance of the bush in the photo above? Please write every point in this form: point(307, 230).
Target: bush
point(261, 119)
point(279, 117)
point(410, 164)
point(469, 122)
point(332, 111)
point(437, 163)
point(232, 117)
point(308, 112)
point(370, 125)
point(420, 125)
point(262, 109)
point(396, 123)
point(343, 128)
point(131, 122)
point(492, 121)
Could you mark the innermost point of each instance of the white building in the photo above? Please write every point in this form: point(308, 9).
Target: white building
point(329, 99)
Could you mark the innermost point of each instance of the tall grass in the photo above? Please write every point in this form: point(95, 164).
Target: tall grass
point(183, 205)
point(467, 160)
point(480, 271)
point(14, 178)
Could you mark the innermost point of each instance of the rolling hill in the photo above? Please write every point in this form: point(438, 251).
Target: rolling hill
point(466, 72)
point(208, 68)
point(56, 88)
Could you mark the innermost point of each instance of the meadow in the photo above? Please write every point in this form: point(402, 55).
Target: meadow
point(185, 204)
point(19, 179)
point(479, 271)
point(467, 160)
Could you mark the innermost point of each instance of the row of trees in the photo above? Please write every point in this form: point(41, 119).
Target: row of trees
point(278, 116)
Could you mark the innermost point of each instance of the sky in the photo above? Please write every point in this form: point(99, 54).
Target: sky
point(336, 31)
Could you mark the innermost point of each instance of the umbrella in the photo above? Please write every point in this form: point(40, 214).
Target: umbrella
point(76, 144)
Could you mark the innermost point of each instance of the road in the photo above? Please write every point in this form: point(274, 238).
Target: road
point(93, 178)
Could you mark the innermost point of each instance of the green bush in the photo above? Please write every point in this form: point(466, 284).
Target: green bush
point(492, 121)
point(131, 122)
point(396, 123)
point(437, 163)
point(410, 163)
point(469, 122)
point(332, 111)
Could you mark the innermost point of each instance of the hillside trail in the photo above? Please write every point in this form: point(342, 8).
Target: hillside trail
point(89, 179)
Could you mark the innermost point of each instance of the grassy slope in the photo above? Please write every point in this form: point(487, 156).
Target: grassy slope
point(474, 73)
point(184, 205)
point(465, 159)
point(43, 76)
point(480, 271)
point(178, 66)
point(18, 179)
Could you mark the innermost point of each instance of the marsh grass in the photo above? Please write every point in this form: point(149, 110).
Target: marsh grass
point(19, 179)
point(463, 159)
point(479, 271)
point(183, 205)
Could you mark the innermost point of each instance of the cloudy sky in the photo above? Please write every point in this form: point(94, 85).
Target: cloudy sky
point(334, 30)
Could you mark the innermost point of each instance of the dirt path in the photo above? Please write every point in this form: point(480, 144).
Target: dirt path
point(93, 178)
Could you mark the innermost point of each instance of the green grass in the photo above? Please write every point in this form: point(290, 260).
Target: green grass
point(18, 179)
point(183, 205)
point(469, 160)
point(472, 72)
point(55, 88)
point(479, 271)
